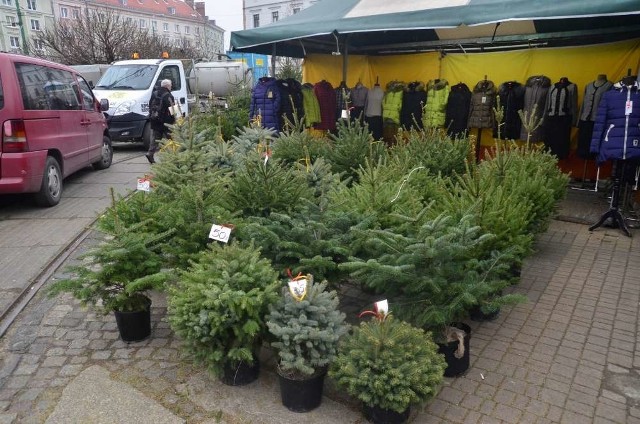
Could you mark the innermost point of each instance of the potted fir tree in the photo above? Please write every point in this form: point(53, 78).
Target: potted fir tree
point(118, 272)
point(306, 325)
point(388, 365)
point(218, 307)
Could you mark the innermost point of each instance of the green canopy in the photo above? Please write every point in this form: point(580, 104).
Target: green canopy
point(375, 27)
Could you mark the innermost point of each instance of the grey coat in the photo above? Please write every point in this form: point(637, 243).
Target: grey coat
point(535, 95)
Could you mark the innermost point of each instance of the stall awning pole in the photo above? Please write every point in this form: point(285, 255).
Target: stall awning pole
point(345, 60)
point(273, 60)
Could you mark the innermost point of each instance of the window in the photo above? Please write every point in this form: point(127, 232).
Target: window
point(256, 21)
point(154, 25)
point(123, 2)
point(198, 30)
point(88, 101)
point(165, 27)
point(172, 10)
point(15, 42)
point(45, 88)
point(187, 29)
point(177, 28)
point(101, 17)
point(274, 16)
point(7, 2)
point(296, 10)
point(64, 12)
point(172, 73)
point(35, 24)
point(128, 20)
point(143, 23)
point(75, 13)
point(31, 5)
point(11, 21)
point(38, 44)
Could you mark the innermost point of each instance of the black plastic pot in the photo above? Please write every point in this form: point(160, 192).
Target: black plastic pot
point(456, 366)
point(301, 395)
point(379, 415)
point(241, 374)
point(476, 314)
point(134, 326)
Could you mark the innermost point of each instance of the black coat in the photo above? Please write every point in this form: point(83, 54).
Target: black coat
point(458, 111)
point(511, 95)
point(413, 102)
point(290, 101)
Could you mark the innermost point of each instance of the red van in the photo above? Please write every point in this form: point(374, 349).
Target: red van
point(52, 126)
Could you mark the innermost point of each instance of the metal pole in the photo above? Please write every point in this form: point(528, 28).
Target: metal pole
point(345, 60)
point(25, 45)
point(273, 61)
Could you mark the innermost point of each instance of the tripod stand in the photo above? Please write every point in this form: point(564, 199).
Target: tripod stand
point(614, 210)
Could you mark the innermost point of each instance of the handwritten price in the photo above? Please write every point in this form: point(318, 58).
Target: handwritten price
point(220, 233)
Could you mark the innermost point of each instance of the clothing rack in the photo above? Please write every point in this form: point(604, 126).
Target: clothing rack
point(614, 208)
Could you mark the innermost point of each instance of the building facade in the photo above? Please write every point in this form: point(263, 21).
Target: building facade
point(176, 21)
point(258, 13)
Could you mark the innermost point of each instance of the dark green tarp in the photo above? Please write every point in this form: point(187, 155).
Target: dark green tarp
point(401, 26)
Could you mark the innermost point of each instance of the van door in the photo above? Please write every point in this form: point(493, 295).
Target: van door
point(178, 89)
point(94, 120)
point(53, 117)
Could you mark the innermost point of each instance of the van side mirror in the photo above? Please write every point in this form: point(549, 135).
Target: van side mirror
point(104, 105)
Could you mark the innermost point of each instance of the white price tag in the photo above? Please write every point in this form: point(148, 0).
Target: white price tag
point(220, 233)
point(382, 307)
point(484, 99)
point(298, 288)
point(144, 184)
point(628, 107)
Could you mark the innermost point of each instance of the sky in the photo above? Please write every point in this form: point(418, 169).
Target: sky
point(228, 15)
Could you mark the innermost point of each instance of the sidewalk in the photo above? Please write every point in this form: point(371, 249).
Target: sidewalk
point(566, 356)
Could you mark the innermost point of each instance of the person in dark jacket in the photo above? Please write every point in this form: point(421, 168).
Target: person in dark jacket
point(158, 125)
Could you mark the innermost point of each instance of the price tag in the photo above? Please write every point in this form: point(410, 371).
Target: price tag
point(484, 99)
point(382, 307)
point(220, 233)
point(298, 288)
point(144, 184)
point(628, 107)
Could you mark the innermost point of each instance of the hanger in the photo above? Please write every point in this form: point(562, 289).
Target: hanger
point(629, 79)
point(377, 83)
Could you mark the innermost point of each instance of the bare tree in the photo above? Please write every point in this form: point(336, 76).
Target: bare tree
point(103, 36)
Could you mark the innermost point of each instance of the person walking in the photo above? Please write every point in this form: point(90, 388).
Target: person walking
point(160, 114)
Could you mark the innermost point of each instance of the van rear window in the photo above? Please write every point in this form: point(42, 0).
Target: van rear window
point(45, 88)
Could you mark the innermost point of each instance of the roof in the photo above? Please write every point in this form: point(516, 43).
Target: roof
point(157, 7)
point(400, 26)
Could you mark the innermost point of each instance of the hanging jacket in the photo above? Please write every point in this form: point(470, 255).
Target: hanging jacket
point(616, 131)
point(327, 99)
point(457, 111)
point(511, 95)
point(291, 101)
point(373, 107)
point(562, 100)
point(265, 101)
point(359, 95)
point(413, 102)
point(535, 94)
point(392, 102)
point(310, 106)
point(435, 111)
point(482, 103)
point(343, 94)
point(592, 95)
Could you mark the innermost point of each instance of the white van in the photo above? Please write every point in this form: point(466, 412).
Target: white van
point(128, 85)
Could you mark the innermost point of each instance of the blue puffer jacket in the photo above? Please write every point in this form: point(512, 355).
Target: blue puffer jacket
point(616, 131)
point(265, 101)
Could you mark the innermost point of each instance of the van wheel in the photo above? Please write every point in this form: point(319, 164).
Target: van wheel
point(51, 188)
point(107, 154)
point(147, 134)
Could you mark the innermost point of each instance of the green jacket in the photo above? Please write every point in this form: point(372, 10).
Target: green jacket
point(392, 102)
point(436, 107)
point(310, 105)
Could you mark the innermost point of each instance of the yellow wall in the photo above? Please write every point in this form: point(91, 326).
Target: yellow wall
point(580, 64)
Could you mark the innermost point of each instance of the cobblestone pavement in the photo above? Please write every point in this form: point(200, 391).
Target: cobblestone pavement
point(569, 355)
